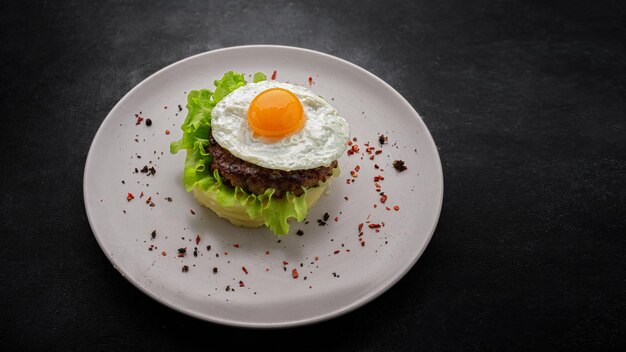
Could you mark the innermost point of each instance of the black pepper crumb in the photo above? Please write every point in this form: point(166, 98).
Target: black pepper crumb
point(195, 251)
point(208, 248)
point(227, 288)
point(153, 234)
point(169, 199)
point(148, 122)
point(399, 165)
point(326, 216)
point(180, 108)
point(214, 270)
point(185, 268)
point(300, 233)
point(382, 139)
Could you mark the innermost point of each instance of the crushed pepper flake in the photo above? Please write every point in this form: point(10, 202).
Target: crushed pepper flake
point(399, 165)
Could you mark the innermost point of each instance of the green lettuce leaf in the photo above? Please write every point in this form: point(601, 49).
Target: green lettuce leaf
point(258, 77)
point(197, 173)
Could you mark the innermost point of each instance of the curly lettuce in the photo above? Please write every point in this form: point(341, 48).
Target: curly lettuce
point(196, 131)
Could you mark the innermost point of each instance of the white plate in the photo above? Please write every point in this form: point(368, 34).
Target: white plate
point(335, 283)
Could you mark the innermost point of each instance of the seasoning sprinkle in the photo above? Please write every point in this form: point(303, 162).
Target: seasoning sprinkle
point(399, 165)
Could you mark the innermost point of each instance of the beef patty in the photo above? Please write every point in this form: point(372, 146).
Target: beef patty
point(256, 179)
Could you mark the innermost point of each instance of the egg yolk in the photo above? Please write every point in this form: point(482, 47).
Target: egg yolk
point(275, 113)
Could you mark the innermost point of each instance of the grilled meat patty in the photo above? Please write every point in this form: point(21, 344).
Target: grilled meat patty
point(256, 179)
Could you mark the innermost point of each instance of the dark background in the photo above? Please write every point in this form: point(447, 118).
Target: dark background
point(526, 101)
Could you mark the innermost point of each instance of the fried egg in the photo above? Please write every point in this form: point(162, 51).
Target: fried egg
point(279, 126)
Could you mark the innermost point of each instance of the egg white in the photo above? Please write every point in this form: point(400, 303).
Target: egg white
point(323, 138)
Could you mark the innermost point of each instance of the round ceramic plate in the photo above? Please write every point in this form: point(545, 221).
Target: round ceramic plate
point(250, 277)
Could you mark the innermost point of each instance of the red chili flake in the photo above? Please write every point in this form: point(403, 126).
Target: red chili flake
point(336, 252)
point(357, 168)
point(129, 197)
point(244, 270)
point(375, 205)
point(148, 200)
point(372, 157)
point(163, 253)
point(347, 182)
point(139, 119)
point(274, 75)
point(336, 218)
point(350, 152)
point(369, 150)
point(383, 198)
point(355, 148)
point(241, 284)
point(167, 131)
point(285, 262)
point(387, 208)
point(396, 208)
point(374, 226)
point(236, 245)
point(294, 273)
point(353, 173)
point(267, 252)
point(349, 142)
point(317, 258)
point(378, 152)
point(310, 80)
point(360, 227)
point(225, 253)
point(362, 243)
point(376, 178)
point(197, 239)
point(141, 195)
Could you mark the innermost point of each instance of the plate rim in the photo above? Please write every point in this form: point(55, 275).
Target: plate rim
point(285, 324)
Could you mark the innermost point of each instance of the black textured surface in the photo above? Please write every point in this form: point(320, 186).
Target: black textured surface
point(526, 101)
